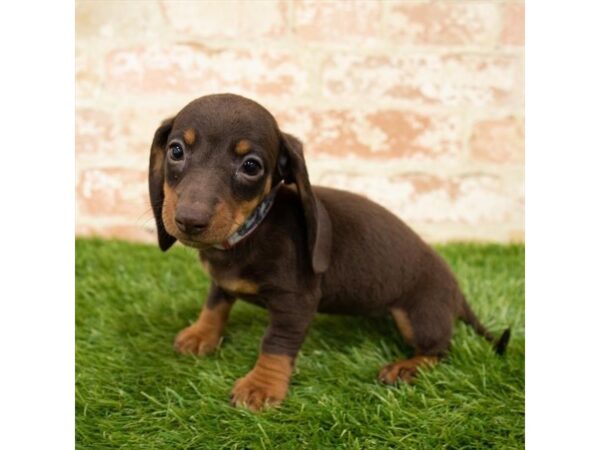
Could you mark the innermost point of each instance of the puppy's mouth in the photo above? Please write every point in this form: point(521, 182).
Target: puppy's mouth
point(213, 235)
point(207, 238)
point(213, 232)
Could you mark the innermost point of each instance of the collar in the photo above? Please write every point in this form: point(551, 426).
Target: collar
point(252, 221)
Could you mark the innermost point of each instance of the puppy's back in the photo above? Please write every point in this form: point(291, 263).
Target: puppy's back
point(376, 258)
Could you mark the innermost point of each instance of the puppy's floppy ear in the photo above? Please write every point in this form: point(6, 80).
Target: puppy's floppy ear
point(318, 225)
point(156, 179)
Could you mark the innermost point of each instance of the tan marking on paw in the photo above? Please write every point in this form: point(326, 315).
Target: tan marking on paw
point(204, 336)
point(405, 370)
point(265, 385)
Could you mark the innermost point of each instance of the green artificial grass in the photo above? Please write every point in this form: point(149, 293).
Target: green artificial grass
point(134, 391)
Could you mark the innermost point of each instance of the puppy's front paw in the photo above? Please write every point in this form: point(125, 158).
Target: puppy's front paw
point(255, 394)
point(265, 385)
point(194, 340)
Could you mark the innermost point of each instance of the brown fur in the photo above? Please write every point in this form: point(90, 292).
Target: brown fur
point(238, 287)
point(233, 286)
point(317, 250)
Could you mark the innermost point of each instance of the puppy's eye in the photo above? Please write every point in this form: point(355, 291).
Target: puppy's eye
point(176, 152)
point(251, 167)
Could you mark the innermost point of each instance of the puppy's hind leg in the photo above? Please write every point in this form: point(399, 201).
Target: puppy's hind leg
point(429, 331)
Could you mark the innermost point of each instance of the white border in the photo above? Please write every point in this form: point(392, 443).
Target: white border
point(37, 226)
point(562, 224)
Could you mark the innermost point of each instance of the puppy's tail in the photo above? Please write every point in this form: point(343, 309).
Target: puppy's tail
point(469, 317)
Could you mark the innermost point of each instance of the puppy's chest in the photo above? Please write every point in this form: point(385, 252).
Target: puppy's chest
point(230, 278)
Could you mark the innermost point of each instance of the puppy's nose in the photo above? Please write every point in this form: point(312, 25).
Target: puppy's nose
point(190, 221)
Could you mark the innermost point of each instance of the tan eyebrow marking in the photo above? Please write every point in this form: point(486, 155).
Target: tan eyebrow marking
point(189, 136)
point(242, 147)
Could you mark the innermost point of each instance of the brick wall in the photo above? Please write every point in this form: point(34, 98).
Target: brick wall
point(417, 104)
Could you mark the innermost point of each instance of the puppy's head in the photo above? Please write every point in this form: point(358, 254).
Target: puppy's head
point(213, 163)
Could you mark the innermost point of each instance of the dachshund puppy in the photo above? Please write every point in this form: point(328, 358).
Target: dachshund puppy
point(227, 181)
